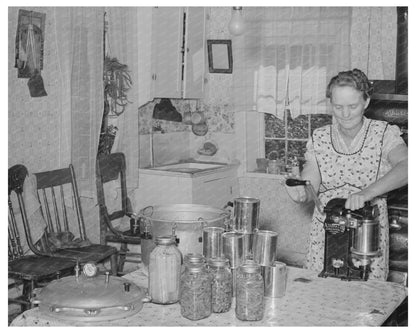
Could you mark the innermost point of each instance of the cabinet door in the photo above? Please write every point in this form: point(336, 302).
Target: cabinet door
point(194, 63)
point(167, 36)
point(215, 189)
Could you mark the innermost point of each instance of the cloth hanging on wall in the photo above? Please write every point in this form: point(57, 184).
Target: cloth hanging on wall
point(29, 50)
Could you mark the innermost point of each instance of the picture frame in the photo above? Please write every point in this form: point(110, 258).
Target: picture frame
point(220, 57)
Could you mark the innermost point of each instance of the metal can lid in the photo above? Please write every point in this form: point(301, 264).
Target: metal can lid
point(165, 240)
point(218, 262)
point(246, 200)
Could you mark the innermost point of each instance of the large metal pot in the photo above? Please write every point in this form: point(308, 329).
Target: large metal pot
point(185, 222)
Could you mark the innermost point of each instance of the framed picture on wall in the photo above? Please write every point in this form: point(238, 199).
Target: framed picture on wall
point(220, 57)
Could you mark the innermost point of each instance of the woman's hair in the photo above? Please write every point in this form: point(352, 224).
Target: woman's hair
point(355, 79)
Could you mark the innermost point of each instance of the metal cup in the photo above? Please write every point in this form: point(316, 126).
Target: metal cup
point(233, 250)
point(246, 214)
point(264, 247)
point(275, 278)
point(233, 247)
point(212, 242)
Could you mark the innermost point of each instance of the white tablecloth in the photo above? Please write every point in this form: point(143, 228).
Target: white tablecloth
point(309, 301)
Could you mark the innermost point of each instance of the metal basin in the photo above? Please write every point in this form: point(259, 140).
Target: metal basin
point(185, 221)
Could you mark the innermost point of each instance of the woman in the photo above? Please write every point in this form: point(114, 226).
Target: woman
point(354, 158)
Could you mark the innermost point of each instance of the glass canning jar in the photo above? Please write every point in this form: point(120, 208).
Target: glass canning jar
point(222, 284)
point(249, 293)
point(165, 271)
point(195, 296)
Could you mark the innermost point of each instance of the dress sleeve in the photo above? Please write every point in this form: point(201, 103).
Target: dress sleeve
point(391, 139)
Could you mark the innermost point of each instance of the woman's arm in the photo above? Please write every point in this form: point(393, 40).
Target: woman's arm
point(395, 178)
point(310, 172)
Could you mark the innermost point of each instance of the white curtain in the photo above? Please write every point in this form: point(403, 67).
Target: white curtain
point(79, 48)
point(289, 54)
point(129, 38)
point(373, 41)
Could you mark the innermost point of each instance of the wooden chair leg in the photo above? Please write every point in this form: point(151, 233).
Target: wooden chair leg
point(113, 262)
point(122, 256)
point(27, 290)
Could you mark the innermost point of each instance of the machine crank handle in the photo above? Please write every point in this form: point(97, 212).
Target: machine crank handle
point(299, 182)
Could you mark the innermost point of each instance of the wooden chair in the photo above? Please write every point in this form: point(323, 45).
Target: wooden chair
point(109, 168)
point(58, 194)
point(27, 271)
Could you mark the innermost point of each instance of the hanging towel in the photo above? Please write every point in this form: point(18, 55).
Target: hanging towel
point(33, 212)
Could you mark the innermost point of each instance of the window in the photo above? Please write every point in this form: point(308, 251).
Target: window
point(287, 55)
point(288, 137)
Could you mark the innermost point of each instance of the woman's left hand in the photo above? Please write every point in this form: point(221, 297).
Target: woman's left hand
point(355, 201)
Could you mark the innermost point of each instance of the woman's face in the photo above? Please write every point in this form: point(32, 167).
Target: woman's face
point(348, 106)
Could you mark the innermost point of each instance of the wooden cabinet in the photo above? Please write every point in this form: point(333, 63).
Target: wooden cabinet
point(178, 52)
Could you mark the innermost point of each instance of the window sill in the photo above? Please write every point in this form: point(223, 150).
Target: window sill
point(252, 174)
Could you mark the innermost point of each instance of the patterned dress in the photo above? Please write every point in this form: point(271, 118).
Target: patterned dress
point(345, 170)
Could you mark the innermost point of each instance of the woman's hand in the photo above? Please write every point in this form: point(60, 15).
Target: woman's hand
point(355, 201)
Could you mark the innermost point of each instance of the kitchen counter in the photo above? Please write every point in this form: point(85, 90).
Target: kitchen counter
point(309, 301)
point(192, 169)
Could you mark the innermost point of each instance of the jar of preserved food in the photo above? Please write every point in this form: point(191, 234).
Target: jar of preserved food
point(165, 271)
point(195, 298)
point(249, 293)
point(222, 284)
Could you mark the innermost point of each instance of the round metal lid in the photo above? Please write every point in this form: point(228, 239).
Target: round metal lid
point(90, 299)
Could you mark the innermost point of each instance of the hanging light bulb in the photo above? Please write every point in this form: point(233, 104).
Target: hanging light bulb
point(236, 25)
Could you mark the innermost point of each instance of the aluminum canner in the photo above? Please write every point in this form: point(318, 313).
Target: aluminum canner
point(185, 221)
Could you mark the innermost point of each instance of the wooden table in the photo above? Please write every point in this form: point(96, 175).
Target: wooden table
point(309, 301)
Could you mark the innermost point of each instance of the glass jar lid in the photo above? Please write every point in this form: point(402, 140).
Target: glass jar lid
point(193, 258)
point(218, 262)
point(250, 268)
point(165, 240)
point(195, 268)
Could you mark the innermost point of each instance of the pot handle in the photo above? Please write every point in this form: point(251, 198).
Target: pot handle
point(146, 208)
point(203, 222)
point(227, 221)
